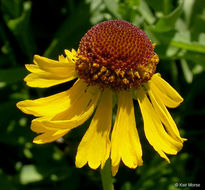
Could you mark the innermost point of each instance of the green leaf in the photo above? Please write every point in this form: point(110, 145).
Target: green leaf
point(163, 38)
point(167, 23)
point(11, 9)
point(129, 11)
point(197, 59)
point(30, 174)
point(182, 40)
point(198, 25)
point(188, 75)
point(197, 20)
point(188, 6)
point(146, 12)
point(157, 5)
point(70, 32)
point(16, 25)
point(112, 6)
point(97, 11)
point(13, 130)
point(20, 27)
point(202, 38)
point(12, 75)
point(6, 182)
point(181, 25)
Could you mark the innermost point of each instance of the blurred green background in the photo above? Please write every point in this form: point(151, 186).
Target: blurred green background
point(47, 27)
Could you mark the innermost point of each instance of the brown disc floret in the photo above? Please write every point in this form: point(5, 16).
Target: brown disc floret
point(116, 54)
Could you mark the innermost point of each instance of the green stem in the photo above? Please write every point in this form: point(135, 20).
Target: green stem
point(106, 177)
point(166, 7)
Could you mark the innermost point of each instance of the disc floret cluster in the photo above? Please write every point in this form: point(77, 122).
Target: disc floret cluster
point(117, 55)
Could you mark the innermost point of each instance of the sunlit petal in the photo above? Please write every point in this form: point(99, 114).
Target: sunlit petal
point(154, 130)
point(73, 116)
point(165, 116)
point(94, 147)
point(61, 101)
point(168, 95)
point(54, 127)
point(125, 143)
point(49, 136)
point(47, 72)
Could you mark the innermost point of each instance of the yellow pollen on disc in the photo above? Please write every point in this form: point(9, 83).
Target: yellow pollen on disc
point(116, 54)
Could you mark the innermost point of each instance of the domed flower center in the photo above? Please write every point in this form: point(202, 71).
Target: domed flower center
point(116, 54)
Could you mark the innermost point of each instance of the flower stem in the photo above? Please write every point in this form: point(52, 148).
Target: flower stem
point(106, 177)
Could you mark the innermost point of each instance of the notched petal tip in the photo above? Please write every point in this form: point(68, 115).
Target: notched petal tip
point(36, 57)
point(162, 141)
point(170, 97)
point(22, 105)
point(125, 130)
point(94, 147)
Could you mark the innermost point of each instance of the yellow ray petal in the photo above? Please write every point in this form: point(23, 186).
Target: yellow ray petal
point(49, 136)
point(154, 130)
point(94, 147)
point(71, 55)
point(49, 65)
point(166, 93)
point(40, 81)
point(39, 127)
point(125, 143)
point(54, 104)
point(75, 115)
point(47, 72)
point(62, 59)
point(165, 117)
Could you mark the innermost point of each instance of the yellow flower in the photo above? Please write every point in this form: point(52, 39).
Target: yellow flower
point(115, 63)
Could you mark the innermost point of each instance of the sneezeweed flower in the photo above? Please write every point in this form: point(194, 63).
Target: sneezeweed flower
point(114, 64)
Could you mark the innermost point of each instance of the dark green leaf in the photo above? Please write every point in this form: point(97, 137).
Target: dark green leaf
point(20, 27)
point(11, 76)
point(146, 12)
point(112, 6)
point(11, 9)
point(188, 75)
point(66, 36)
point(167, 23)
point(182, 40)
point(5, 182)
